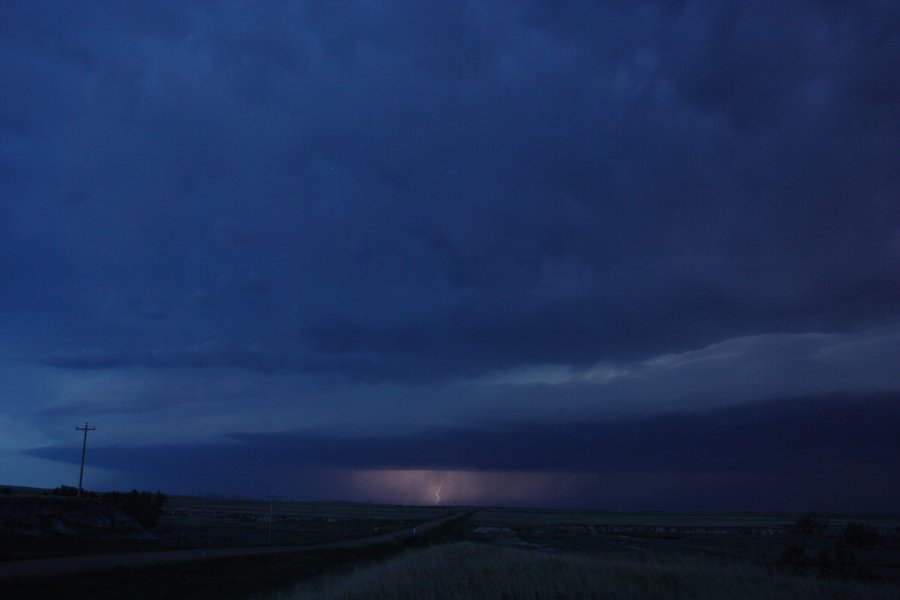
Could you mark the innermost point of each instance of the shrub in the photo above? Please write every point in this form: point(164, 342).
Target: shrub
point(143, 507)
point(838, 563)
point(860, 535)
point(70, 491)
point(810, 524)
point(842, 563)
point(65, 490)
point(794, 558)
point(824, 563)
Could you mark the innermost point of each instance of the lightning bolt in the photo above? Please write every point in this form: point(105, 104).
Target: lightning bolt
point(437, 494)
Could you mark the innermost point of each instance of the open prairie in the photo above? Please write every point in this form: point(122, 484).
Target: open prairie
point(204, 523)
point(522, 553)
point(197, 522)
point(465, 570)
point(491, 552)
point(34, 523)
point(757, 538)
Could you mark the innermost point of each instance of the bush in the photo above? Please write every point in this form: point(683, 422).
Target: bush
point(838, 563)
point(794, 558)
point(860, 535)
point(810, 524)
point(824, 563)
point(71, 491)
point(842, 563)
point(143, 507)
point(65, 490)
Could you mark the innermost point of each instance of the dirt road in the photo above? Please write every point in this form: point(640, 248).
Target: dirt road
point(72, 564)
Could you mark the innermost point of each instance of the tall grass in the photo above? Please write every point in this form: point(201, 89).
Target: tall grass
point(467, 570)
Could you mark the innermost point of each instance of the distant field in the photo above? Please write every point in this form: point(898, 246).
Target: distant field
point(224, 578)
point(200, 522)
point(511, 517)
point(196, 522)
point(740, 538)
point(519, 553)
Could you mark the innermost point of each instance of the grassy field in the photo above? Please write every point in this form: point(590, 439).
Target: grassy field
point(513, 553)
point(524, 517)
point(208, 522)
point(754, 539)
point(225, 579)
point(232, 578)
point(519, 553)
point(465, 570)
point(199, 522)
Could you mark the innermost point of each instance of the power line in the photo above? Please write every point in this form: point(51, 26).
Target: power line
point(85, 429)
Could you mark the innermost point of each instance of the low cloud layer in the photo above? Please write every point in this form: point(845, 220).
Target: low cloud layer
point(790, 439)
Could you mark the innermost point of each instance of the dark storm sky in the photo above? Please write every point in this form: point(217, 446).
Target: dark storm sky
point(624, 254)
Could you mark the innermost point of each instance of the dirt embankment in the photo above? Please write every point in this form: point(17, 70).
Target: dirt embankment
point(82, 517)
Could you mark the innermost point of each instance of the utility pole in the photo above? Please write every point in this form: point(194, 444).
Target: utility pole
point(85, 429)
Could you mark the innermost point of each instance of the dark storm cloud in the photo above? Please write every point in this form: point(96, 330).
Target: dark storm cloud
point(201, 356)
point(784, 435)
point(411, 191)
point(788, 433)
point(834, 451)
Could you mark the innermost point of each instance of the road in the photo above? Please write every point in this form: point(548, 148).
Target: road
point(93, 562)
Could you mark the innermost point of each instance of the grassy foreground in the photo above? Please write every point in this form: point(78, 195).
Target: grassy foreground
point(238, 578)
point(189, 522)
point(224, 579)
point(466, 570)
